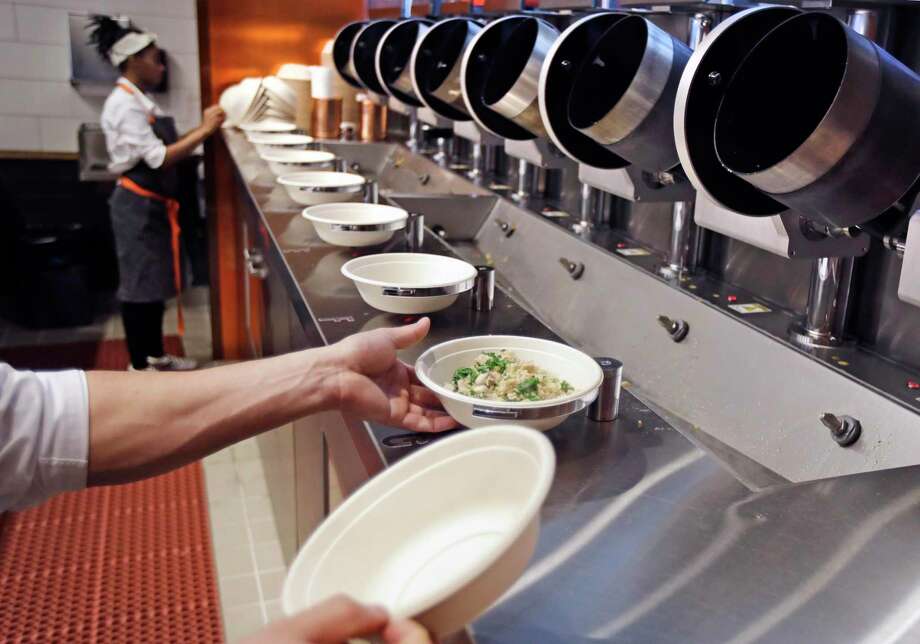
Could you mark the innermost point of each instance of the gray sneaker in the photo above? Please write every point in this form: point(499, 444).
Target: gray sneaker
point(172, 363)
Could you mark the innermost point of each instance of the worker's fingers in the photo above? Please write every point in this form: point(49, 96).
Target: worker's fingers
point(405, 336)
point(336, 620)
point(404, 631)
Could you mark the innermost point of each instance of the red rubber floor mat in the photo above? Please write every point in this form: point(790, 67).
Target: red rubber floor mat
point(127, 563)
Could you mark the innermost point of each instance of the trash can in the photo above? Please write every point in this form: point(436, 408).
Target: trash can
point(53, 289)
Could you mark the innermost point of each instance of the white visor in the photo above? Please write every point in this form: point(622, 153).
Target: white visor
point(128, 45)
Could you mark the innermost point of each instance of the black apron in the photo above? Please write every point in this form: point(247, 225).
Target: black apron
point(141, 227)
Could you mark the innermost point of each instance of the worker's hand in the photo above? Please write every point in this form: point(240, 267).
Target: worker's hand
point(212, 118)
point(336, 621)
point(405, 631)
point(370, 381)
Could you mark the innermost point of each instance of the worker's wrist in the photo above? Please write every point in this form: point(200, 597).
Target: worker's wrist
point(321, 377)
point(201, 133)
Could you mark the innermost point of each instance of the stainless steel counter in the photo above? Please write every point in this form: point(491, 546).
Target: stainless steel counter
point(648, 533)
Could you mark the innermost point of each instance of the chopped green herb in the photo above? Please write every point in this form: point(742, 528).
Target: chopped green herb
point(464, 372)
point(501, 375)
point(496, 362)
point(529, 388)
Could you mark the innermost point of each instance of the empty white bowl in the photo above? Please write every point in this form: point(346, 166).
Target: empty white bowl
point(318, 186)
point(272, 141)
point(436, 367)
point(269, 126)
point(410, 283)
point(356, 224)
point(234, 103)
point(287, 161)
point(438, 537)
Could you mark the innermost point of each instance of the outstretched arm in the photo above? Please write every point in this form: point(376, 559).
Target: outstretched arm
point(182, 149)
point(144, 424)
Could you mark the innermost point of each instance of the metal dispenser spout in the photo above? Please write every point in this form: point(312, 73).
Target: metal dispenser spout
point(832, 277)
point(687, 239)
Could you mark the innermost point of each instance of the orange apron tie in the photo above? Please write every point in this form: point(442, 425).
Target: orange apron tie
point(172, 213)
point(150, 117)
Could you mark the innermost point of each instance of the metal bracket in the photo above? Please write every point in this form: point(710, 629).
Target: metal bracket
point(429, 117)
point(616, 182)
point(802, 244)
point(399, 107)
point(782, 235)
point(471, 131)
point(539, 152)
point(633, 184)
point(909, 284)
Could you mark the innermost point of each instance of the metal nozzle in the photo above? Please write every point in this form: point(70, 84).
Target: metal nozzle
point(606, 406)
point(415, 232)
point(483, 294)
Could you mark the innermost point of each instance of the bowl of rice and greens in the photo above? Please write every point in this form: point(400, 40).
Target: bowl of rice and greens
point(502, 375)
point(487, 380)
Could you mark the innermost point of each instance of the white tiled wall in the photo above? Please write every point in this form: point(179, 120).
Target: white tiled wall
point(39, 110)
point(7, 26)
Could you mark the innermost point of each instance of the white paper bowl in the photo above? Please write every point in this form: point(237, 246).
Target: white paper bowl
point(271, 142)
point(255, 113)
point(437, 537)
point(410, 283)
point(249, 89)
point(283, 161)
point(279, 93)
point(270, 126)
point(436, 367)
point(356, 224)
point(234, 103)
point(319, 186)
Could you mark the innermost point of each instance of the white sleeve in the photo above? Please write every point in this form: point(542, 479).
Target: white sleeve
point(130, 138)
point(44, 435)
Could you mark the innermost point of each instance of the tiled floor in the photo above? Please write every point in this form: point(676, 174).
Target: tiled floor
point(250, 568)
point(249, 562)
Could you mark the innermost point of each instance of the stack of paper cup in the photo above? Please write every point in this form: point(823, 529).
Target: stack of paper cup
point(322, 83)
point(351, 110)
point(298, 78)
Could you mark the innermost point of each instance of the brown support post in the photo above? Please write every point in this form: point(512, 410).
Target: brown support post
point(235, 40)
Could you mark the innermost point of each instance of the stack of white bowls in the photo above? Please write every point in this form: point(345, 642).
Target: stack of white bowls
point(257, 99)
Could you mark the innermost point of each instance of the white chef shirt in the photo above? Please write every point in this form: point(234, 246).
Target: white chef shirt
point(44, 435)
point(129, 135)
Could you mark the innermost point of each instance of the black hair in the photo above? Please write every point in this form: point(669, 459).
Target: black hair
point(105, 32)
